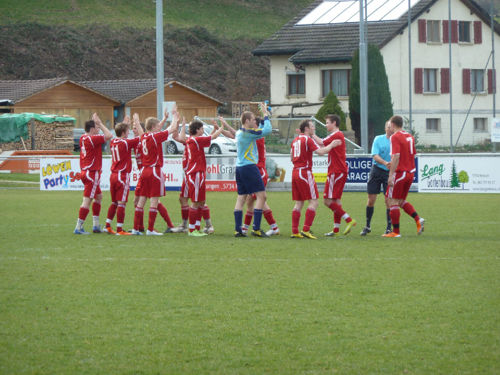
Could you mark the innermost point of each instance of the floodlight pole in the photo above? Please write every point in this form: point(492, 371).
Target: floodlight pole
point(493, 71)
point(450, 80)
point(160, 81)
point(363, 78)
point(409, 68)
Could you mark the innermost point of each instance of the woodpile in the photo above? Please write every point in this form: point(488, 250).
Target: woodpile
point(43, 136)
point(239, 107)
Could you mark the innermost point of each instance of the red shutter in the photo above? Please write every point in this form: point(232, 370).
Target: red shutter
point(445, 32)
point(466, 81)
point(422, 31)
point(454, 31)
point(419, 88)
point(478, 34)
point(492, 82)
point(445, 81)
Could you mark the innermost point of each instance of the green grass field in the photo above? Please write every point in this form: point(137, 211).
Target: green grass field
point(230, 19)
point(103, 304)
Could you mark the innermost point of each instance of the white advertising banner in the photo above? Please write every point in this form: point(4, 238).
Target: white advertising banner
point(495, 130)
point(459, 174)
point(64, 174)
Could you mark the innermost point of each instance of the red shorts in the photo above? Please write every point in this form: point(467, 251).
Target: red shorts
point(151, 182)
point(334, 185)
point(196, 186)
point(119, 186)
point(91, 181)
point(401, 187)
point(303, 185)
point(184, 189)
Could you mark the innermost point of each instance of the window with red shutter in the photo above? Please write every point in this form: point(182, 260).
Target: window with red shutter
point(492, 82)
point(478, 34)
point(466, 81)
point(422, 26)
point(454, 31)
point(445, 32)
point(419, 89)
point(445, 81)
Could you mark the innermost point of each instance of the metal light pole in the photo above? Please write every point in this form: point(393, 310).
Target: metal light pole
point(363, 78)
point(450, 80)
point(409, 66)
point(493, 65)
point(160, 81)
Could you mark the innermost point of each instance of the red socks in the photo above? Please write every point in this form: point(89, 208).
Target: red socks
point(164, 214)
point(120, 217)
point(295, 221)
point(310, 214)
point(152, 218)
point(82, 214)
point(111, 212)
point(139, 219)
point(96, 209)
point(395, 215)
point(268, 215)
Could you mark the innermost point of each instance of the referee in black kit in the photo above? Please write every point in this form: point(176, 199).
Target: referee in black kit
point(381, 152)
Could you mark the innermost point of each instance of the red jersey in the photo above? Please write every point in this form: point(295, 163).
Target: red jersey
point(138, 154)
point(336, 156)
point(261, 149)
point(121, 154)
point(152, 152)
point(303, 147)
point(196, 161)
point(402, 143)
point(91, 152)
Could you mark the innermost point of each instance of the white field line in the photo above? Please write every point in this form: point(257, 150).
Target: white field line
point(378, 259)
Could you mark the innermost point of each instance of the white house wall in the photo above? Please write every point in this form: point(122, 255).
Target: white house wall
point(396, 59)
point(283, 103)
point(469, 56)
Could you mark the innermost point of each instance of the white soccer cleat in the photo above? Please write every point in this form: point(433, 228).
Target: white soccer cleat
point(136, 232)
point(153, 233)
point(273, 232)
point(209, 230)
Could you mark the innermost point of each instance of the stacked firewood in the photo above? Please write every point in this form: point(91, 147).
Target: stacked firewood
point(53, 136)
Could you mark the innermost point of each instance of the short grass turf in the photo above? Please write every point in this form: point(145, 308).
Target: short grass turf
point(102, 304)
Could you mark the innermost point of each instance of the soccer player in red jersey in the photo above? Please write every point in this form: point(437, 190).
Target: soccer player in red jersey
point(121, 156)
point(303, 184)
point(195, 170)
point(91, 165)
point(337, 175)
point(152, 180)
point(401, 176)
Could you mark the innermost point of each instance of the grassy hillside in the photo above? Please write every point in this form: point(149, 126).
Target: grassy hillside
point(232, 19)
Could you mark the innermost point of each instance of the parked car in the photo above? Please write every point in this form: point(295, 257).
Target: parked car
point(220, 145)
point(77, 133)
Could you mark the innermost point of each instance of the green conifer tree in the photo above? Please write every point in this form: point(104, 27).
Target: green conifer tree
point(379, 95)
point(454, 176)
point(331, 106)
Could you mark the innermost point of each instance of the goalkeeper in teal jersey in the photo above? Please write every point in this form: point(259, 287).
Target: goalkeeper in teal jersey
point(248, 178)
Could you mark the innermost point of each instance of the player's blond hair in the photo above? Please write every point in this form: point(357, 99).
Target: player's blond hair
point(150, 123)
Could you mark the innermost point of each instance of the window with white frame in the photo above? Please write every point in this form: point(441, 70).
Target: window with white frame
point(464, 31)
point(433, 125)
point(480, 125)
point(433, 31)
point(476, 81)
point(296, 83)
point(336, 80)
point(430, 80)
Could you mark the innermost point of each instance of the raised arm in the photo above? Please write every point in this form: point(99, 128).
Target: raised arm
point(181, 137)
point(218, 130)
point(136, 123)
point(107, 134)
point(326, 149)
point(174, 126)
point(230, 132)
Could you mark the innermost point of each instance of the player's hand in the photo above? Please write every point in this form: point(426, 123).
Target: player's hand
point(126, 120)
point(390, 181)
point(388, 165)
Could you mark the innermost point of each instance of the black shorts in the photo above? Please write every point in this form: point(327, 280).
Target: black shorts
point(378, 179)
point(249, 180)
